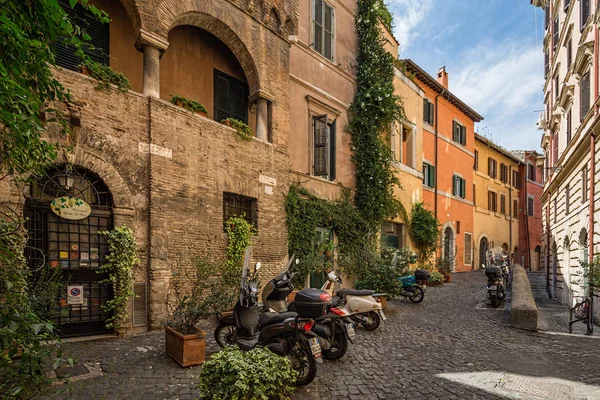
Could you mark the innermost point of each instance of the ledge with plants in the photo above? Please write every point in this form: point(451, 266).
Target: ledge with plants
point(243, 130)
point(105, 76)
point(189, 104)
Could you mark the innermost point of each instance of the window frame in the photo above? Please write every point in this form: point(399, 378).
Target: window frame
point(330, 147)
point(252, 218)
point(429, 174)
point(428, 112)
point(324, 5)
point(461, 190)
point(530, 210)
point(492, 201)
point(217, 109)
point(492, 168)
point(459, 133)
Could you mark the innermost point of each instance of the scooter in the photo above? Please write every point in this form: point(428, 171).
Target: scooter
point(363, 306)
point(495, 284)
point(280, 333)
point(331, 325)
point(413, 286)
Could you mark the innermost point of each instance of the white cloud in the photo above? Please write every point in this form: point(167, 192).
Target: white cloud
point(408, 14)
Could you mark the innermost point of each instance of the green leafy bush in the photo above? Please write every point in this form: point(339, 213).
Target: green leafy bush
point(380, 276)
point(444, 266)
point(258, 374)
point(242, 129)
point(188, 104)
point(424, 230)
point(436, 278)
point(43, 291)
point(106, 77)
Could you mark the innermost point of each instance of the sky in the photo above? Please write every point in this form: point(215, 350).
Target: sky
point(492, 50)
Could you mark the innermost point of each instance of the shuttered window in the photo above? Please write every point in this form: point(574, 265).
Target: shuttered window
point(567, 199)
point(584, 184)
point(230, 98)
point(530, 206)
point(323, 29)
point(569, 53)
point(428, 175)
point(459, 186)
point(584, 96)
point(324, 147)
point(531, 172)
point(555, 33)
point(98, 47)
point(492, 168)
point(503, 173)
point(555, 149)
point(516, 179)
point(474, 195)
point(428, 111)
point(468, 248)
point(546, 64)
point(492, 201)
point(515, 208)
point(556, 88)
point(569, 126)
point(476, 162)
point(503, 204)
point(459, 133)
point(547, 16)
point(585, 12)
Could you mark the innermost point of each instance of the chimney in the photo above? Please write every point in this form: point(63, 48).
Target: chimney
point(442, 77)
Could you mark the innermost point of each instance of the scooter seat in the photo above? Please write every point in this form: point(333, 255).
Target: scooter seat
point(247, 343)
point(270, 318)
point(350, 292)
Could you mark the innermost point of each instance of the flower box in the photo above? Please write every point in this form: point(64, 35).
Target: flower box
point(186, 350)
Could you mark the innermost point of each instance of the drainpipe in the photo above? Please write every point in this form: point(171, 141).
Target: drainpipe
point(435, 197)
point(548, 246)
point(510, 211)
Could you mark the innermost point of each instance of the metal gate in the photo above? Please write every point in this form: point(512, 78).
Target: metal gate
point(75, 247)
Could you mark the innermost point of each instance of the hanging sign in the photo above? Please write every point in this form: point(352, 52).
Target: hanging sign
point(70, 208)
point(74, 295)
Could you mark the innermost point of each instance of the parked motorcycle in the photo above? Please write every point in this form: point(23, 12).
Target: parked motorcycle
point(413, 286)
point(280, 333)
point(363, 306)
point(497, 275)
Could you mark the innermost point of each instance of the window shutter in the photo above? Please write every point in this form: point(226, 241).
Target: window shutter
point(221, 88)
point(332, 150)
point(455, 136)
point(320, 145)
point(140, 304)
point(569, 126)
point(100, 38)
point(463, 189)
point(476, 163)
point(455, 182)
point(489, 200)
point(555, 33)
point(318, 26)
point(328, 25)
point(431, 176)
point(585, 12)
point(585, 95)
point(431, 111)
point(238, 99)
point(463, 135)
point(474, 195)
point(490, 167)
point(65, 55)
point(425, 110)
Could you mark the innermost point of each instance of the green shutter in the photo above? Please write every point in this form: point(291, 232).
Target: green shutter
point(455, 133)
point(431, 176)
point(463, 135)
point(425, 110)
point(462, 188)
point(431, 111)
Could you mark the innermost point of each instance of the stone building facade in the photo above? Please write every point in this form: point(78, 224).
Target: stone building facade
point(171, 175)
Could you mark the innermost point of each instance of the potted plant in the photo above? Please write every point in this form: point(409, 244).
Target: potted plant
point(189, 104)
point(242, 129)
point(184, 342)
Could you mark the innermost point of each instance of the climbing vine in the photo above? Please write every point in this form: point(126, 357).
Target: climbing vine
point(120, 261)
point(374, 109)
point(424, 230)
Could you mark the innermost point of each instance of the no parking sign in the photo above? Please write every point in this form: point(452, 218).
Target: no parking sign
point(74, 295)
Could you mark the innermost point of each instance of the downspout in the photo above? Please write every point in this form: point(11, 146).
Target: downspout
point(526, 209)
point(593, 164)
point(149, 205)
point(435, 197)
point(548, 246)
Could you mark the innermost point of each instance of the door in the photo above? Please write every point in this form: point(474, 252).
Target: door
point(483, 248)
point(449, 244)
point(74, 247)
point(554, 269)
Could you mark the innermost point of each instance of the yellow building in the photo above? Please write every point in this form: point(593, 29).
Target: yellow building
point(496, 184)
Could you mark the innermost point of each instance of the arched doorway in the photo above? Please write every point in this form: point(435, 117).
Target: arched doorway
point(449, 245)
point(535, 262)
point(483, 248)
point(74, 247)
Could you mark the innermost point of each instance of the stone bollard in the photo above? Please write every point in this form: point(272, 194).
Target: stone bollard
point(523, 310)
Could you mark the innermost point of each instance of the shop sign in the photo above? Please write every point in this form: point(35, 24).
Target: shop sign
point(74, 295)
point(70, 208)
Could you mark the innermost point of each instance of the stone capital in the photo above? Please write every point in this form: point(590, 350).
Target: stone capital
point(146, 38)
point(260, 94)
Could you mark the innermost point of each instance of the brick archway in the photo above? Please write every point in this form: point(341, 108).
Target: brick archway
point(132, 9)
point(222, 20)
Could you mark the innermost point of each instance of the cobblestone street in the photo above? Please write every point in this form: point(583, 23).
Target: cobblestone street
point(453, 332)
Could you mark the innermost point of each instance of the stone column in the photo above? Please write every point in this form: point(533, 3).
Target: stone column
point(262, 123)
point(151, 86)
point(153, 48)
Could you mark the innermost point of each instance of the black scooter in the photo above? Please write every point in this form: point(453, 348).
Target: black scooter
point(280, 333)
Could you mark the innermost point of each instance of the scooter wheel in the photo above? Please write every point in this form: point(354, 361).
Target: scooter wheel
point(418, 295)
point(373, 321)
point(225, 334)
point(303, 363)
point(495, 301)
point(338, 349)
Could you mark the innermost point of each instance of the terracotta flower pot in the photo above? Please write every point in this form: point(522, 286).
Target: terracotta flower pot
point(85, 70)
point(203, 113)
point(186, 350)
point(228, 123)
point(447, 278)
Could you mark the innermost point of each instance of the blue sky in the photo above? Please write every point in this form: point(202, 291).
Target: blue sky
point(492, 54)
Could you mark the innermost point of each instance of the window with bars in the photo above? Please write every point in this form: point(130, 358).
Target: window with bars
point(230, 98)
point(323, 27)
point(428, 175)
point(428, 111)
point(492, 201)
point(530, 205)
point(503, 204)
point(99, 44)
point(459, 133)
point(459, 187)
point(584, 96)
point(238, 205)
point(392, 235)
point(324, 147)
point(492, 168)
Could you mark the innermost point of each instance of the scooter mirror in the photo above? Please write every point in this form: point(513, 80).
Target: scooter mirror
point(257, 266)
point(297, 261)
point(482, 266)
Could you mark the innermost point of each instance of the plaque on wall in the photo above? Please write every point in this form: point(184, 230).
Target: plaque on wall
point(71, 208)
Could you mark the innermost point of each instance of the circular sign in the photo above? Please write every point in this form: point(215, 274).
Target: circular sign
point(70, 208)
point(75, 292)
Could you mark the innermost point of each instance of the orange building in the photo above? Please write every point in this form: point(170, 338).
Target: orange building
point(448, 157)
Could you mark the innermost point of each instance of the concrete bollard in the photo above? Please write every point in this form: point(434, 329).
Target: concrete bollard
point(523, 310)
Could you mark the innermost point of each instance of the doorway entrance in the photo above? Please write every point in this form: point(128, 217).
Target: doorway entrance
point(449, 245)
point(483, 248)
point(74, 247)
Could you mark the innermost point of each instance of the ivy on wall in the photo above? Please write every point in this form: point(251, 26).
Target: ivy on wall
point(374, 109)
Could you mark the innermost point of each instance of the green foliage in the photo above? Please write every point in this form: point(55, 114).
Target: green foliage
point(239, 236)
point(444, 266)
point(258, 374)
point(424, 230)
point(374, 109)
point(107, 77)
point(305, 213)
point(44, 289)
point(24, 355)
point(436, 278)
point(381, 275)
point(29, 30)
point(385, 15)
point(242, 129)
point(121, 260)
point(188, 104)
point(591, 272)
point(198, 295)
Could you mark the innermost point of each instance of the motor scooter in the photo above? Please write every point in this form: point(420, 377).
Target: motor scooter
point(497, 275)
point(413, 286)
point(280, 333)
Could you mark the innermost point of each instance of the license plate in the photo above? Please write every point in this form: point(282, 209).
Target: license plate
point(492, 288)
point(351, 333)
point(382, 315)
point(315, 347)
point(424, 287)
